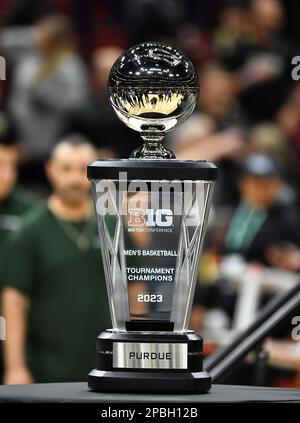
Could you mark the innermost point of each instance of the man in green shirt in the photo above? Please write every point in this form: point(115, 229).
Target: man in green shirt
point(54, 299)
point(14, 202)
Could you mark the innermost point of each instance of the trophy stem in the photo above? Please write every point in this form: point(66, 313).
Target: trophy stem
point(152, 147)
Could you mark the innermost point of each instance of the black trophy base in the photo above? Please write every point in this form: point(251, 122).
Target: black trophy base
point(149, 383)
point(114, 373)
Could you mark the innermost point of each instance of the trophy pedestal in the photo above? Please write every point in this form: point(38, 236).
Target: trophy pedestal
point(149, 362)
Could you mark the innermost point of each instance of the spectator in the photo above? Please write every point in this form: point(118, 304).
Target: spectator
point(49, 82)
point(261, 219)
point(98, 121)
point(264, 71)
point(14, 201)
point(233, 32)
point(216, 131)
point(267, 138)
point(54, 297)
point(288, 121)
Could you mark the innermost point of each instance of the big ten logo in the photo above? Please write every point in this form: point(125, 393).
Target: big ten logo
point(296, 329)
point(2, 329)
point(149, 217)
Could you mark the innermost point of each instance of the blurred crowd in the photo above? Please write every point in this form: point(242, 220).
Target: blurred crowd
point(55, 118)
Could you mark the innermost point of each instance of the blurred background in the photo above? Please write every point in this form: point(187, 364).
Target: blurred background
point(247, 120)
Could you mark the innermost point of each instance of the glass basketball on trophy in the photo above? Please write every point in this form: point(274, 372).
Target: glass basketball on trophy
point(152, 213)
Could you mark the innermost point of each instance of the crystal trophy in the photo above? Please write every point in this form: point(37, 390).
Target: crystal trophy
point(152, 212)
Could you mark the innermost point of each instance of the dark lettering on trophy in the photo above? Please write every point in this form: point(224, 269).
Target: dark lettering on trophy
point(148, 217)
point(296, 69)
point(150, 356)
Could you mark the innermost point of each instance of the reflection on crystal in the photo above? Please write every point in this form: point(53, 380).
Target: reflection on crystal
point(138, 103)
point(153, 88)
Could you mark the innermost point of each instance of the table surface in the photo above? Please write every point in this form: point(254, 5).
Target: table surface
point(79, 392)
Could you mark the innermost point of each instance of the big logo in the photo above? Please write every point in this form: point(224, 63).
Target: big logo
point(149, 217)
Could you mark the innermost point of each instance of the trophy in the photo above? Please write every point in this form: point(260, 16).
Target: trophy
point(152, 212)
